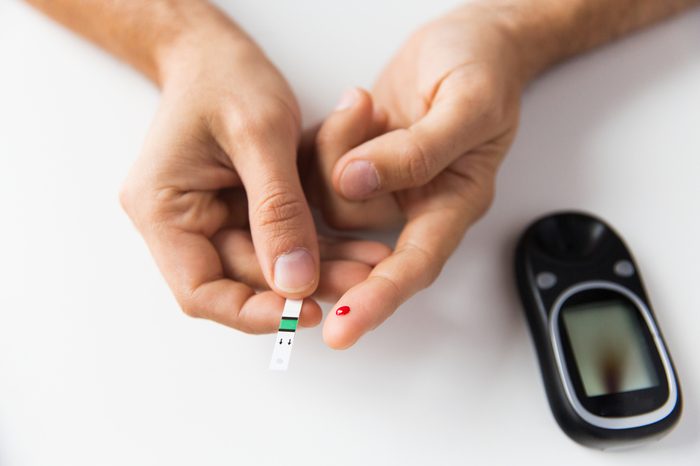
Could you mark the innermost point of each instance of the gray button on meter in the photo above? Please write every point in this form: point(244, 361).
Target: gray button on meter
point(623, 268)
point(546, 280)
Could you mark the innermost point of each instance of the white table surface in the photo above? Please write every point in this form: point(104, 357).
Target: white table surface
point(99, 367)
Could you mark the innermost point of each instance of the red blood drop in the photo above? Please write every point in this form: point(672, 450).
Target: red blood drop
point(342, 310)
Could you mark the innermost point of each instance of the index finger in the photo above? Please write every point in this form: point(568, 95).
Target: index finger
point(421, 251)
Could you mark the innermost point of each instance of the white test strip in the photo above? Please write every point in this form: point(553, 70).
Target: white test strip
point(285, 335)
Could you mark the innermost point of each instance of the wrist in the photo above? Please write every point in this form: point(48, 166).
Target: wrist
point(203, 36)
point(539, 32)
point(543, 32)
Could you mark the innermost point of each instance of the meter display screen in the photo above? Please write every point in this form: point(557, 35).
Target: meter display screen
point(608, 344)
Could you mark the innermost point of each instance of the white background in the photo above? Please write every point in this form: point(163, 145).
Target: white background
point(99, 367)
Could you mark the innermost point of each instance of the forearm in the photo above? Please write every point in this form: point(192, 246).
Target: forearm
point(145, 34)
point(549, 31)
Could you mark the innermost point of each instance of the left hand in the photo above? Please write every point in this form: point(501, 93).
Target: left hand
point(217, 196)
point(450, 100)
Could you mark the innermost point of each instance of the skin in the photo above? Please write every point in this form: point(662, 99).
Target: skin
point(217, 194)
point(451, 95)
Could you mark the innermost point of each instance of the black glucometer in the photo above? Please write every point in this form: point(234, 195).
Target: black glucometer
point(607, 372)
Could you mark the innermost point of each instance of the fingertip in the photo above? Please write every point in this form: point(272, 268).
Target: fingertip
point(336, 339)
point(262, 313)
point(353, 97)
point(347, 125)
point(340, 331)
point(358, 180)
point(364, 307)
point(348, 99)
point(296, 273)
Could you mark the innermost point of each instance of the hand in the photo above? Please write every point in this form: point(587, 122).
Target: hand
point(451, 98)
point(217, 197)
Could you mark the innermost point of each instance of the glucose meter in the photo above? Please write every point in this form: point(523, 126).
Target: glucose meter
point(607, 371)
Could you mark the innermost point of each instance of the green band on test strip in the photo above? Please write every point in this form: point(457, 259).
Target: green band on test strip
point(288, 324)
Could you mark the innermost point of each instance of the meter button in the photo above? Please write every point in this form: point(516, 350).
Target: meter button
point(623, 268)
point(546, 280)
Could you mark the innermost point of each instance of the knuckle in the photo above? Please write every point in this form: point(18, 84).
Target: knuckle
point(481, 91)
point(420, 166)
point(325, 138)
point(494, 116)
point(126, 198)
point(485, 199)
point(487, 99)
point(430, 264)
point(134, 203)
point(279, 209)
point(478, 198)
point(189, 307)
point(432, 272)
point(259, 120)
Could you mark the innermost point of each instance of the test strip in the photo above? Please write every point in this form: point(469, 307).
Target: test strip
point(285, 335)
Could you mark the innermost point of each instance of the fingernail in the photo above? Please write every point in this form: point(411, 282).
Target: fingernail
point(359, 180)
point(347, 100)
point(342, 310)
point(294, 271)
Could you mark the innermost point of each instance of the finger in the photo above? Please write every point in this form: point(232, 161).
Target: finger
point(308, 168)
point(338, 277)
point(344, 263)
point(191, 266)
point(422, 249)
point(282, 228)
point(170, 196)
point(238, 258)
point(315, 166)
point(263, 311)
point(410, 157)
point(239, 261)
point(355, 120)
point(364, 251)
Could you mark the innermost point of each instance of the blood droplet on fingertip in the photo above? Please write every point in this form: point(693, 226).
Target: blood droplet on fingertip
point(342, 310)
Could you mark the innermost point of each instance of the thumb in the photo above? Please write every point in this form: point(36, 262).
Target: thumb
point(281, 224)
point(411, 157)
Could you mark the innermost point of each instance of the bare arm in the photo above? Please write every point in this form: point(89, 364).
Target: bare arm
point(143, 33)
point(549, 31)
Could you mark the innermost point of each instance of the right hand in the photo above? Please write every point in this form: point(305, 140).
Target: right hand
point(424, 148)
point(217, 197)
